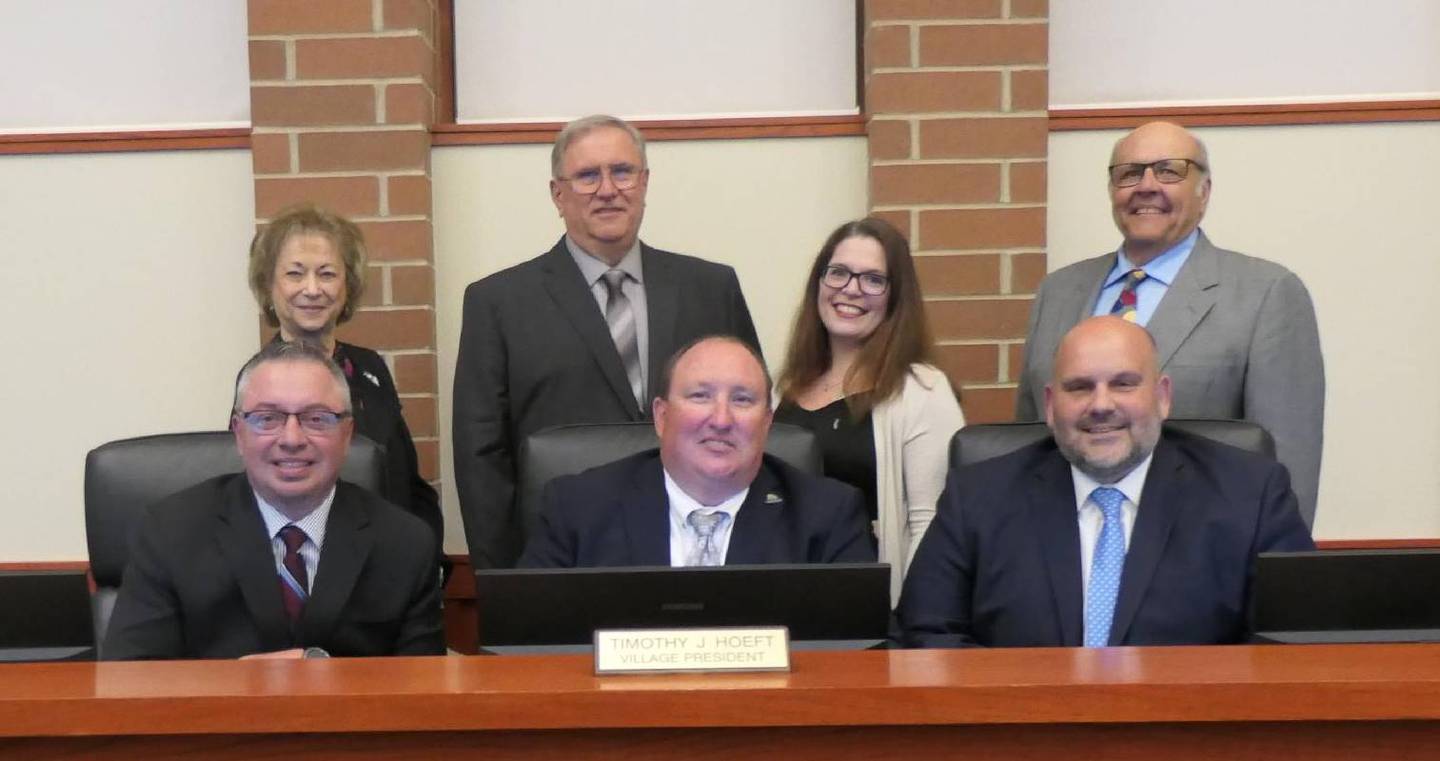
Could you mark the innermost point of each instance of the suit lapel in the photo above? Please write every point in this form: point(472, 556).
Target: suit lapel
point(1086, 306)
point(1187, 301)
point(246, 549)
point(1161, 502)
point(646, 509)
point(348, 538)
point(662, 307)
point(1052, 506)
point(759, 524)
point(566, 287)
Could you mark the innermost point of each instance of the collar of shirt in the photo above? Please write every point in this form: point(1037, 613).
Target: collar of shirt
point(592, 268)
point(1090, 519)
point(1162, 268)
point(1131, 485)
point(682, 537)
point(312, 524)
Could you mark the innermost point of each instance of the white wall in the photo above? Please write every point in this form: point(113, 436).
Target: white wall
point(1348, 208)
point(125, 313)
point(762, 206)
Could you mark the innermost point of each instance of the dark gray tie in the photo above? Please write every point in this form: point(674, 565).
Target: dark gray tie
point(621, 319)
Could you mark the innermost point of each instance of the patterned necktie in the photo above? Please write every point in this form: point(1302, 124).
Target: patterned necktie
point(294, 581)
point(705, 525)
point(1125, 305)
point(621, 319)
point(1105, 568)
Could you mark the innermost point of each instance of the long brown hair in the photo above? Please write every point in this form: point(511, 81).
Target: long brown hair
point(900, 340)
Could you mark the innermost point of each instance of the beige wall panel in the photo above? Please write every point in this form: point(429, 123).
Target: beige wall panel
point(1348, 208)
point(762, 206)
point(125, 314)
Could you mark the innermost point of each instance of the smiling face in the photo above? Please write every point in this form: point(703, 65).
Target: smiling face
point(1154, 216)
point(713, 420)
point(292, 469)
point(308, 287)
point(604, 223)
point(1107, 398)
point(850, 315)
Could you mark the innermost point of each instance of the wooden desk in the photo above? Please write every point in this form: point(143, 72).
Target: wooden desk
point(1333, 702)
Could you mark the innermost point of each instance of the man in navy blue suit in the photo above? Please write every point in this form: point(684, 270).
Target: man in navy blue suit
point(709, 495)
point(1112, 532)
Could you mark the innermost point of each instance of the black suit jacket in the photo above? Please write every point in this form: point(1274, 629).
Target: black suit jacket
point(201, 582)
point(618, 515)
point(1000, 565)
point(535, 352)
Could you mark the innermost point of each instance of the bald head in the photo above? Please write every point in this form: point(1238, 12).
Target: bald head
point(1162, 207)
point(1106, 400)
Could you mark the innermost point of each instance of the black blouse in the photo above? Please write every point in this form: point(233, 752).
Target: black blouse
point(847, 445)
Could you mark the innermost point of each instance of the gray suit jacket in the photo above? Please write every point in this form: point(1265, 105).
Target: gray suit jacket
point(1236, 335)
point(535, 352)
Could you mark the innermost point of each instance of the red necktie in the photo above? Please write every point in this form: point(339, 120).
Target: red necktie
point(294, 581)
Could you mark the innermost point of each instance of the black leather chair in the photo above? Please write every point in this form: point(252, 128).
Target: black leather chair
point(976, 443)
point(123, 478)
point(566, 449)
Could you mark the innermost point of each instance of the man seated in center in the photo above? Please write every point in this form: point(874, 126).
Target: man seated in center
point(709, 495)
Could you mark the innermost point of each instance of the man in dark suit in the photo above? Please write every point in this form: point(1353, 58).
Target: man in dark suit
point(1112, 532)
point(710, 495)
point(1236, 334)
point(578, 334)
point(283, 558)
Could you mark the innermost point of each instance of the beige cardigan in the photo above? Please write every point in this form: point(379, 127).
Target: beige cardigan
point(912, 442)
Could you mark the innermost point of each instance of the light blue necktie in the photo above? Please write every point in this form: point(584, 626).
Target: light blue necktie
point(1105, 567)
point(707, 551)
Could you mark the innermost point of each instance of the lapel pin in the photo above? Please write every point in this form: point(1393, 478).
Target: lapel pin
point(370, 377)
point(773, 499)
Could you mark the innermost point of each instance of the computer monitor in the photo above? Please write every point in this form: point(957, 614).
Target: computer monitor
point(1347, 596)
point(46, 616)
point(845, 604)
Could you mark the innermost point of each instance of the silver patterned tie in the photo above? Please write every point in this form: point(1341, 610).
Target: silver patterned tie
point(705, 526)
point(621, 319)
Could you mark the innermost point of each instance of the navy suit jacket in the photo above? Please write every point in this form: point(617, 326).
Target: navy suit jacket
point(618, 515)
point(1000, 565)
point(201, 581)
point(535, 352)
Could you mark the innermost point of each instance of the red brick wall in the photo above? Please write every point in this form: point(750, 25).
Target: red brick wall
point(342, 100)
point(956, 92)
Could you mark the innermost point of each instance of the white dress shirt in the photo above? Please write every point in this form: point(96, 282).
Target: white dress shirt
point(313, 525)
point(1091, 517)
point(685, 543)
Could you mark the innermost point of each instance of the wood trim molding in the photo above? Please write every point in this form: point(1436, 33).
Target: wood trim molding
point(1379, 544)
point(1253, 115)
point(661, 129)
point(116, 142)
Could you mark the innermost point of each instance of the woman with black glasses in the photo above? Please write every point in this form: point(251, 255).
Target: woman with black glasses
point(858, 374)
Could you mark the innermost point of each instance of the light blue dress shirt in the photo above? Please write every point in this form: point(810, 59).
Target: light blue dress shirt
point(1160, 272)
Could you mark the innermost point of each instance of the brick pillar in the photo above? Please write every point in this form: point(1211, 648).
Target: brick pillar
point(956, 92)
point(342, 99)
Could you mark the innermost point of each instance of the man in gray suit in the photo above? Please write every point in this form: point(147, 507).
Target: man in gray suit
point(1236, 334)
point(578, 334)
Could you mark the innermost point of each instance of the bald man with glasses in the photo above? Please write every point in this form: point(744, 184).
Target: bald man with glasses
point(1237, 335)
point(578, 334)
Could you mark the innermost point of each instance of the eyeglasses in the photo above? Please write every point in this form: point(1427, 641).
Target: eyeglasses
point(316, 420)
point(871, 283)
point(622, 176)
point(1167, 171)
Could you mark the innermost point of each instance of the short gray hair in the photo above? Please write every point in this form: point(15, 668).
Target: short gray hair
point(291, 351)
point(584, 126)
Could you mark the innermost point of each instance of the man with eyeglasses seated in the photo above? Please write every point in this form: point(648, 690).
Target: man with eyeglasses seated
point(1236, 334)
point(283, 560)
point(709, 496)
point(577, 334)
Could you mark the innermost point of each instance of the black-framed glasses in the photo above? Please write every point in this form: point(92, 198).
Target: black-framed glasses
point(1167, 171)
point(588, 181)
point(871, 283)
point(313, 420)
